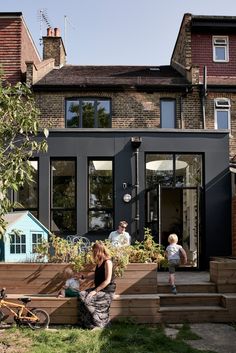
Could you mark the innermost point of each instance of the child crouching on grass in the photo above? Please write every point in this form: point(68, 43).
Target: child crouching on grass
point(71, 287)
point(174, 252)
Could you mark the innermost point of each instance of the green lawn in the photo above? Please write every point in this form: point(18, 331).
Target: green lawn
point(119, 338)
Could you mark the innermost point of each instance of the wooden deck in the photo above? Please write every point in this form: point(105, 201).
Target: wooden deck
point(142, 296)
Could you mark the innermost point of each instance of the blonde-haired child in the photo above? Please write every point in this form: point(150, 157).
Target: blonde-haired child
point(71, 288)
point(173, 254)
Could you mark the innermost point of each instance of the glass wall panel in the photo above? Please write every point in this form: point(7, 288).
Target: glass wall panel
point(26, 198)
point(100, 195)
point(188, 170)
point(159, 169)
point(63, 196)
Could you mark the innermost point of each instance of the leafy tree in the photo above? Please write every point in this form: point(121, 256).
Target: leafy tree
point(20, 140)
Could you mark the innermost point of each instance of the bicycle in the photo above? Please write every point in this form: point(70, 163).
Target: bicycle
point(34, 318)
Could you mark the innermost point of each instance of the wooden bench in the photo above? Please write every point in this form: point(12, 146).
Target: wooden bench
point(135, 297)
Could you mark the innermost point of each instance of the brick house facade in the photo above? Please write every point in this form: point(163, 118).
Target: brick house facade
point(153, 115)
point(16, 47)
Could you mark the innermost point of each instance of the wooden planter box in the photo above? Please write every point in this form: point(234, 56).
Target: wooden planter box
point(136, 295)
point(47, 278)
point(223, 274)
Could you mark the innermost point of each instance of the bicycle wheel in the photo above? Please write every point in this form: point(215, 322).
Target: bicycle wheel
point(43, 319)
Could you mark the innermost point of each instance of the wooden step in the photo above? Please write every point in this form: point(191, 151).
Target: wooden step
point(191, 299)
point(194, 314)
point(208, 287)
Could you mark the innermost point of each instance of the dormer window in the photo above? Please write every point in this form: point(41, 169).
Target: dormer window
point(220, 49)
point(222, 113)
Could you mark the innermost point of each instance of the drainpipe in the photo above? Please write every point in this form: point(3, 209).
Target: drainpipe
point(136, 142)
point(203, 97)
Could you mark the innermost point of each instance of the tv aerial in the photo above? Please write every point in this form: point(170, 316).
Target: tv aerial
point(43, 20)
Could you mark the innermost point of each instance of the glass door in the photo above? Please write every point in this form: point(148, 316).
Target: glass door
point(173, 184)
point(175, 210)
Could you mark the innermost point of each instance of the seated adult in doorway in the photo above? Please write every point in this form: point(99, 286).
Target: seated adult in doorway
point(94, 303)
point(120, 237)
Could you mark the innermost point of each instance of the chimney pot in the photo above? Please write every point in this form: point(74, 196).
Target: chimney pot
point(57, 32)
point(49, 32)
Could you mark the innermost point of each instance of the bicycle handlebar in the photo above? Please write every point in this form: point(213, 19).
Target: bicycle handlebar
point(3, 293)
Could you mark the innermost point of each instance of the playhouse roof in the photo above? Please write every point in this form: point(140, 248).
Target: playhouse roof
point(13, 217)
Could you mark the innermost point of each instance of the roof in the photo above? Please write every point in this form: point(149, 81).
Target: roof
point(13, 217)
point(213, 23)
point(106, 76)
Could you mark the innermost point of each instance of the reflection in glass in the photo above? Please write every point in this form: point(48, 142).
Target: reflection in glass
point(63, 221)
point(191, 173)
point(100, 220)
point(159, 169)
point(63, 179)
point(223, 119)
point(103, 113)
point(88, 113)
point(72, 113)
point(63, 196)
point(26, 197)
point(100, 194)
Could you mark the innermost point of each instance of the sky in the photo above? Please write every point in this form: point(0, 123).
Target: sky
point(114, 32)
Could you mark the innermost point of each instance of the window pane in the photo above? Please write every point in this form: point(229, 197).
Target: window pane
point(188, 170)
point(159, 170)
point(88, 114)
point(72, 113)
point(100, 184)
point(220, 53)
point(63, 221)
point(100, 220)
point(27, 196)
point(103, 113)
point(222, 119)
point(100, 211)
point(63, 179)
point(168, 113)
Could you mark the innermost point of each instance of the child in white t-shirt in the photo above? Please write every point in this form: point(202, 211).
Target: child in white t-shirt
point(72, 284)
point(174, 252)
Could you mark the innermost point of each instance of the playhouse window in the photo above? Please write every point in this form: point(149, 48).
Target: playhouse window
point(37, 239)
point(17, 243)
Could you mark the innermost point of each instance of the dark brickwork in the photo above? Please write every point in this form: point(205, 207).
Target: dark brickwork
point(129, 109)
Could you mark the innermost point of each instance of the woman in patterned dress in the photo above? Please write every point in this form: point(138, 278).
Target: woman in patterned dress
point(95, 302)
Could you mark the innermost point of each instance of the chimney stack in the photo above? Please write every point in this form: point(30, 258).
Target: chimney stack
point(53, 47)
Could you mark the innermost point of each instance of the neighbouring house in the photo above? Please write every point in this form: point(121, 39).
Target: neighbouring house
point(148, 144)
point(23, 234)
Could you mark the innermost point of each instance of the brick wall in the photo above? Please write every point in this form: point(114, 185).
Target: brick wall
point(10, 48)
point(130, 109)
point(202, 54)
point(182, 55)
point(16, 47)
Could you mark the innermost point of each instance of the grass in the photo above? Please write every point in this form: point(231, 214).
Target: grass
point(119, 338)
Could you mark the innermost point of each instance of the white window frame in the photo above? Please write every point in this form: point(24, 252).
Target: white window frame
point(220, 42)
point(38, 235)
point(222, 105)
point(14, 236)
